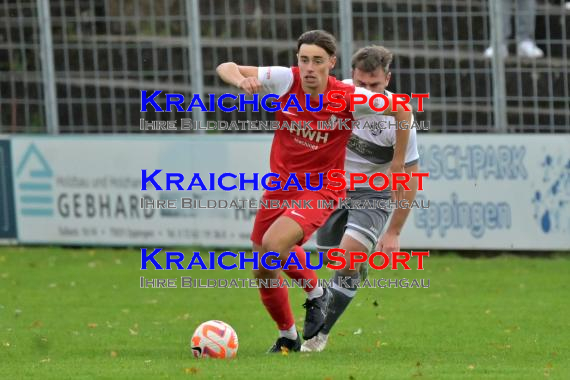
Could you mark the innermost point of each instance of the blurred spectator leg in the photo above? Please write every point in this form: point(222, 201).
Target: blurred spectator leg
point(506, 30)
point(526, 21)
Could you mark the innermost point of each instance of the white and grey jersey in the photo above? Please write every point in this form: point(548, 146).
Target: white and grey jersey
point(370, 148)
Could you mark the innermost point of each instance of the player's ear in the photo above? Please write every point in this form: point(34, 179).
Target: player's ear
point(388, 76)
point(332, 62)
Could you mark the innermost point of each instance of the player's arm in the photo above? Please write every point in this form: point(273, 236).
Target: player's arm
point(402, 117)
point(251, 79)
point(390, 241)
point(242, 77)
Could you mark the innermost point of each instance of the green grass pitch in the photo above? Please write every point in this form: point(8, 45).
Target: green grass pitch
point(79, 313)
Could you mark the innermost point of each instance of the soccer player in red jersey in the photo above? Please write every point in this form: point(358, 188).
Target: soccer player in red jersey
point(285, 230)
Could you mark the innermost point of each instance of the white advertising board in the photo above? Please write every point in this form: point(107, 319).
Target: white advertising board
point(484, 191)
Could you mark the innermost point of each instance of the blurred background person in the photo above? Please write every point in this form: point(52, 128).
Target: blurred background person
point(525, 15)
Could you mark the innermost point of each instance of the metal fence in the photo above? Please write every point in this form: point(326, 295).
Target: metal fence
point(78, 66)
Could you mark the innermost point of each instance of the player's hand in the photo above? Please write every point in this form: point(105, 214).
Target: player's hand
point(390, 242)
point(250, 85)
point(398, 194)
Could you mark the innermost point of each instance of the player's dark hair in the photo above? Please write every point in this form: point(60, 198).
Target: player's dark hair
point(370, 58)
point(322, 39)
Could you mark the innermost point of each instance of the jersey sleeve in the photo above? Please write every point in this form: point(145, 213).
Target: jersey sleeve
point(275, 79)
point(362, 110)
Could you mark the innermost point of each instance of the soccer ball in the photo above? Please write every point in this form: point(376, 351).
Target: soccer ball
point(214, 339)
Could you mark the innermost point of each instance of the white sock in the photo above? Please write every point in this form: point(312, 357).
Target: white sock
point(315, 293)
point(291, 333)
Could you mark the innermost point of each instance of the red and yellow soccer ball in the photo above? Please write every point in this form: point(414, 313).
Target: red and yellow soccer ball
point(214, 339)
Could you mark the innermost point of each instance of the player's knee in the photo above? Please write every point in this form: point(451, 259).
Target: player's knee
point(346, 271)
point(264, 273)
point(275, 244)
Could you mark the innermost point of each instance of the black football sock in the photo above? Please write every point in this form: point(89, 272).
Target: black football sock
point(343, 291)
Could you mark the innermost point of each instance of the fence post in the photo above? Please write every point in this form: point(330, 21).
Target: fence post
point(195, 56)
point(47, 67)
point(345, 36)
point(498, 66)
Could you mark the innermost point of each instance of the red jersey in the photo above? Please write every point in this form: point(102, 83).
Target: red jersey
point(304, 147)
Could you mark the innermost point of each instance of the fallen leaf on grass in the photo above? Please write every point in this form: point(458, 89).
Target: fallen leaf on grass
point(284, 351)
point(135, 329)
point(114, 354)
point(358, 332)
point(37, 324)
point(191, 370)
point(471, 366)
point(92, 325)
point(46, 360)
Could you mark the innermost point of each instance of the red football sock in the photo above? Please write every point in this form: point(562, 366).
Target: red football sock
point(276, 301)
point(303, 274)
